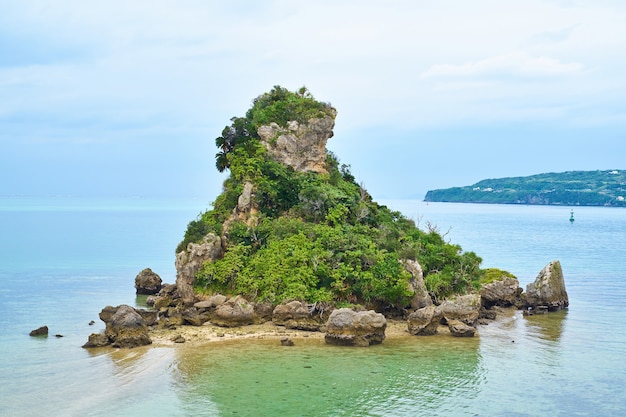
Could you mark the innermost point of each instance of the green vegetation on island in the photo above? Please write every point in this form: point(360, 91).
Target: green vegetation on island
point(312, 235)
point(572, 188)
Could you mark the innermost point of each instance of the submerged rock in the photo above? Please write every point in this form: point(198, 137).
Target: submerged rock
point(460, 329)
point(349, 328)
point(548, 290)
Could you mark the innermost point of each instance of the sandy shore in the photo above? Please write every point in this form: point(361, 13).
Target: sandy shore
point(209, 333)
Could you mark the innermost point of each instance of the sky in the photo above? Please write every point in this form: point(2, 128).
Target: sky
point(122, 98)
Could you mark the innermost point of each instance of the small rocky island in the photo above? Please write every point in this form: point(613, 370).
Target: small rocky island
point(295, 241)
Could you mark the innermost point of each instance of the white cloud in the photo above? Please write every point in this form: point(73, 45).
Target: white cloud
point(515, 64)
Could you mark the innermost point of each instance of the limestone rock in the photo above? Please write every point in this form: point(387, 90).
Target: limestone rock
point(465, 308)
point(548, 290)
point(460, 329)
point(295, 315)
point(189, 261)
point(127, 329)
point(349, 328)
point(420, 298)
point(424, 322)
point(301, 146)
point(234, 312)
point(285, 341)
point(41, 331)
point(147, 282)
point(503, 293)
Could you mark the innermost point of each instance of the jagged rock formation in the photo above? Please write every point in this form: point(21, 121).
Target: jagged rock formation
point(189, 261)
point(421, 298)
point(346, 327)
point(548, 290)
point(301, 146)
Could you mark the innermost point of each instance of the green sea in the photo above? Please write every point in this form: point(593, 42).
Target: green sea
point(62, 260)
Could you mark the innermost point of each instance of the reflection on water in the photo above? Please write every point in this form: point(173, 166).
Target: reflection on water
point(402, 377)
point(547, 326)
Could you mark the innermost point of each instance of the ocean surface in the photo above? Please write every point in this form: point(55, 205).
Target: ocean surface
point(62, 260)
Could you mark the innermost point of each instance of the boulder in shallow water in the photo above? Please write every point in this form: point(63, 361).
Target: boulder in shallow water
point(127, 329)
point(548, 290)
point(148, 282)
point(346, 327)
point(97, 340)
point(41, 331)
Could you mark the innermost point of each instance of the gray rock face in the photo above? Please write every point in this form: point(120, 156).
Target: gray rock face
point(349, 328)
point(465, 308)
point(424, 322)
point(300, 146)
point(548, 290)
point(295, 315)
point(234, 312)
point(189, 261)
point(503, 293)
point(127, 329)
point(147, 282)
point(420, 298)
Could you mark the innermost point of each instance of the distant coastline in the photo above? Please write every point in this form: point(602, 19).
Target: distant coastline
point(572, 188)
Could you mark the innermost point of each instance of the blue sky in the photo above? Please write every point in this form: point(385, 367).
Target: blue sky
point(124, 98)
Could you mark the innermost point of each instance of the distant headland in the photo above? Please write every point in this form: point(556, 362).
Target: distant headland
point(571, 188)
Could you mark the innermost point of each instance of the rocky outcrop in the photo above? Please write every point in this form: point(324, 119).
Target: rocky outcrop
point(465, 308)
point(127, 329)
point(296, 315)
point(301, 146)
point(502, 293)
point(147, 282)
point(189, 262)
point(235, 312)
point(349, 328)
point(548, 290)
point(420, 298)
point(424, 322)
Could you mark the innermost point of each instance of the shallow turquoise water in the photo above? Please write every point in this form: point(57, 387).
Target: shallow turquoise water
point(62, 260)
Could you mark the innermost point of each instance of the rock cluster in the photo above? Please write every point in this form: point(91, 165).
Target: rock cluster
point(126, 327)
